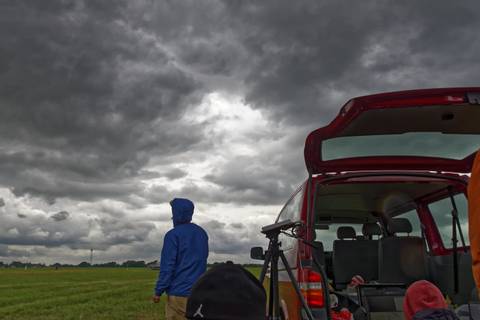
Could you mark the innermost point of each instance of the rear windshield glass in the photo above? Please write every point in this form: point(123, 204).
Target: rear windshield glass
point(328, 236)
point(427, 144)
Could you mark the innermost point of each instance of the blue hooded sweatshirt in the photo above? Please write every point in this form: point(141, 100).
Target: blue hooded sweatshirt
point(184, 252)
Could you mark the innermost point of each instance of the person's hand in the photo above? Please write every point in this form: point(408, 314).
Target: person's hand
point(356, 281)
point(156, 299)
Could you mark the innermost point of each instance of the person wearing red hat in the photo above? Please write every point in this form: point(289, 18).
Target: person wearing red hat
point(424, 301)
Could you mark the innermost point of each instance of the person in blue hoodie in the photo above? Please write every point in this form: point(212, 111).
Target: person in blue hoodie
point(183, 259)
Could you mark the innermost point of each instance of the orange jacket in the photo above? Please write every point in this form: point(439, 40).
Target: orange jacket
point(474, 218)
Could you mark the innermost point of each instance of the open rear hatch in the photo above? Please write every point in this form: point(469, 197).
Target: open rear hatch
point(428, 130)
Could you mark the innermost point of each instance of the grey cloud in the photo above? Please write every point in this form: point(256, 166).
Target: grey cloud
point(60, 216)
point(116, 232)
point(76, 231)
point(237, 225)
point(7, 252)
point(158, 194)
point(94, 93)
point(114, 211)
point(93, 103)
point(3, 250)
point(268, 179)
point(37, 230)
point(214, 225)
point(307, 58)
point(230, 240)
point(51, 186)
point(2, 202)
point(175, 173)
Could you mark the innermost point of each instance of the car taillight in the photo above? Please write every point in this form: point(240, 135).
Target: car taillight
point(422, 101)
point(310, 283)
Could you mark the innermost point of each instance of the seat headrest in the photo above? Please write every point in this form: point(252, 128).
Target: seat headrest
point(399, 225)
point(345, 232)
point(371, 229)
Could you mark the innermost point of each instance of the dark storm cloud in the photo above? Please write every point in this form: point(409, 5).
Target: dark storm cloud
point(86, 99)
point(60, 216)
point(89, 92)
point(2, 202)
point(307, 58)
point(302, 61)
point(93, 93)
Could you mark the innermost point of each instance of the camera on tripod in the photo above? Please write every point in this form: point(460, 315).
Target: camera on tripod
point(270, 230)
point(272, 256)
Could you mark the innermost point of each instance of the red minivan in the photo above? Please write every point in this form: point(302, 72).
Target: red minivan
point(385, 196)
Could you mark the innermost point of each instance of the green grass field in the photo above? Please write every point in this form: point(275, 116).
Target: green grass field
point(79, 293)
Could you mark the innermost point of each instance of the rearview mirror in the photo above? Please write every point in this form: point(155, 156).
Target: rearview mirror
point(257, 253)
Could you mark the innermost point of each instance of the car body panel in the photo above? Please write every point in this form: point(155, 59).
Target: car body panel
point(447, 111)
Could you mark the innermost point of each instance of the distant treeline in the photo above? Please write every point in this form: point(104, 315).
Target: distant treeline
point(84, 264)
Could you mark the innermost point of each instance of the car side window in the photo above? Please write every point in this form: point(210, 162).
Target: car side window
point(290, 211)
point(441, 211)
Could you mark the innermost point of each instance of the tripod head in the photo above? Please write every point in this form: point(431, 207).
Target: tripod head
point(273, 230)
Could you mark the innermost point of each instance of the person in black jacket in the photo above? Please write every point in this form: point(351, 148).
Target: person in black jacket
point(227, 292)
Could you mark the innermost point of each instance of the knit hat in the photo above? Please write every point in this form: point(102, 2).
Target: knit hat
point(422, 295)
point(227, 292)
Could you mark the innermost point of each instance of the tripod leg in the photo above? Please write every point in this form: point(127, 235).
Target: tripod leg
point(271, 297)
point(266, 263)
point(274, 293)
point(295, 285)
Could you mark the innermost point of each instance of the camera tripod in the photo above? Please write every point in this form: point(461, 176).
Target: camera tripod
point(272, 257)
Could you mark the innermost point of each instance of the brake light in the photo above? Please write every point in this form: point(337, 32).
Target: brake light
point(310, 283)
point(422, 101)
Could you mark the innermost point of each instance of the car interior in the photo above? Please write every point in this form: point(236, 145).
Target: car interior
point(362, 229)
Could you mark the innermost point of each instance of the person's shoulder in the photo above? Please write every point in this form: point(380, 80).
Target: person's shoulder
point(170, 233)
point(198, 228)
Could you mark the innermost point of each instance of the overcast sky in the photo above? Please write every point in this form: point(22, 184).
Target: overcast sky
point(109, 109)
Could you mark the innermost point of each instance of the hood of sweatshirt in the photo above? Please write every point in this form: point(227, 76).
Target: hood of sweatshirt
point(182, 211)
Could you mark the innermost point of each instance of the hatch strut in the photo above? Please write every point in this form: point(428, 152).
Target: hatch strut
point(455, 225)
